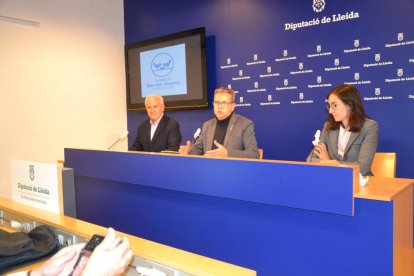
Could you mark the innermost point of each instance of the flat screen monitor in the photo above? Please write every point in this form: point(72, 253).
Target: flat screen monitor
point(173, 66)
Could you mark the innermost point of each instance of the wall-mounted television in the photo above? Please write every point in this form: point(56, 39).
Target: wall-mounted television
point(173, 66)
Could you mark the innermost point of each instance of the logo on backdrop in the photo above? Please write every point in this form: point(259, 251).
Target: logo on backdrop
point(301, 100)
point(162, 65)
point(255, 60)
point(319, 83)
point(285, 57)
point(356, 43)
point(242, 102)
point(241, 76)
point(256, 88)
point(357, 47)
point(319, 52)
point(378, 96)
point(318, 5)
point(347, 58)
point(31, 172)
point(228, 64)
point(301, 71)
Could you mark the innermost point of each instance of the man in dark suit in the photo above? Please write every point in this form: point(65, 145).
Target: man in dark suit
point(226, 135)
point(159, 132)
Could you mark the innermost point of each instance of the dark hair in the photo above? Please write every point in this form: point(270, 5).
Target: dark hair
point(226, 91)
point(350, 96)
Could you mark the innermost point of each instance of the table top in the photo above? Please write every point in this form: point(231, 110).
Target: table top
point(383, 188)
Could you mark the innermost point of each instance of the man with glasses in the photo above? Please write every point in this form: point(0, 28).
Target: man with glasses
point(228, 134)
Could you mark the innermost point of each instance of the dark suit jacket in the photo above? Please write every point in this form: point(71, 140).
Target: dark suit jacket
point(360, 149)
point(240, 140)
point(167, 136)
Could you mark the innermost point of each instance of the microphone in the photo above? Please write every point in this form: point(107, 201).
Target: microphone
point(315, 142)
point(196, 135)
point(123, 136)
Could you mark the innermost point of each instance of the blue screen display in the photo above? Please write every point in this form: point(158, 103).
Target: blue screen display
point(163, 71)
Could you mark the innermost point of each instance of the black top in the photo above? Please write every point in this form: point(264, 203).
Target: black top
point(221, 130)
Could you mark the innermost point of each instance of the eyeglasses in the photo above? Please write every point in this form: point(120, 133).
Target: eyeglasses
point(222, 104)
point(331, 106)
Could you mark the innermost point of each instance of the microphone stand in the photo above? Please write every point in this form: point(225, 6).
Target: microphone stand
point(315, 143)
point(311, 157)
point(117, 141)
point(191, 146)
point(194, 140)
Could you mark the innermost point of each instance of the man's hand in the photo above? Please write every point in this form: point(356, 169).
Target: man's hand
point(220, 151)
point(61, 263)
point(185, 148)
point(110, 257)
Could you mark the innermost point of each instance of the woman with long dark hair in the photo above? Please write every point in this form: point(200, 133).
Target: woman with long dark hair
point(348, 136)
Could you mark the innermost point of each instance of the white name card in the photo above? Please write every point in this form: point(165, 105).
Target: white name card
point(35, 184)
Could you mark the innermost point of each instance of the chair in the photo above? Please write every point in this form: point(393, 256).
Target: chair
point(260, 153)
point(384, 164)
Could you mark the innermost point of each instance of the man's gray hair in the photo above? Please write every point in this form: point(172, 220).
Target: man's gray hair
point(154, 96)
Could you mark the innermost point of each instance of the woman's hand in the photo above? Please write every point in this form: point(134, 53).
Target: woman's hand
point(322, 152)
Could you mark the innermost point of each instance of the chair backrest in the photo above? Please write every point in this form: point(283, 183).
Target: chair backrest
point(260, 153)
point(384, 164)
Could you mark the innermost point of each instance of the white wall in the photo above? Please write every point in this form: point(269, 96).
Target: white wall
point(61, 84)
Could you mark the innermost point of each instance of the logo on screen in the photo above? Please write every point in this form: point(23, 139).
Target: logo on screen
point(318, 5)
point(400, 36)
point(300, 65)
point(285, 82)
point(301, 96)
point(400, 72)
point(377, 91)
point(336, 61)
point(377, 57)
point(269, 98)
point(241, 99)
point(162, 65)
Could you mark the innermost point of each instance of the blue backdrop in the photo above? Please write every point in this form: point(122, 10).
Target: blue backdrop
point(282, 57)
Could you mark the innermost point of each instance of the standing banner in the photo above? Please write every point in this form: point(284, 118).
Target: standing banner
point(35, 184)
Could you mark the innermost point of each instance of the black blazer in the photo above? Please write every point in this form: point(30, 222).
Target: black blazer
point(166, 137)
